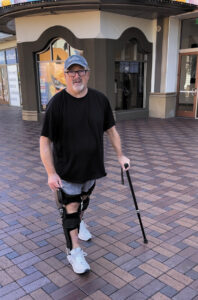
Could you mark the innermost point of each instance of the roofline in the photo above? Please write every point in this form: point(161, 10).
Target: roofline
point(8, 13)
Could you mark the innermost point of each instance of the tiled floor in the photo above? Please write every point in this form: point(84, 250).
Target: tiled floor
point(164, 155)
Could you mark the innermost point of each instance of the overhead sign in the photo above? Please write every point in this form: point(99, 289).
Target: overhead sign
point(12, 2)
point(188, 1)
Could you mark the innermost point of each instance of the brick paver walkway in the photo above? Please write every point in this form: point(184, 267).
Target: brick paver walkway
point(164, 156)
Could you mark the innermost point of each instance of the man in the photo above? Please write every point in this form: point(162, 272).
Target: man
point(71, 148)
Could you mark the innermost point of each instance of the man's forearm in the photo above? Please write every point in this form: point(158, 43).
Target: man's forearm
point(54, 181)
point(46, 155)
point(115, 141)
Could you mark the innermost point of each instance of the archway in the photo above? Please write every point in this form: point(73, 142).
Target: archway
point(133, 60)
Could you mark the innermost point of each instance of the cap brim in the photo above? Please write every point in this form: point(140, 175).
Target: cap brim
point(77, 63)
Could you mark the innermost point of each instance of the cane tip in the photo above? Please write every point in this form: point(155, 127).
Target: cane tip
point(145, 241)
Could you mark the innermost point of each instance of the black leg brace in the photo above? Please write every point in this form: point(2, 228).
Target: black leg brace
point(70, 222)
point(85, 204)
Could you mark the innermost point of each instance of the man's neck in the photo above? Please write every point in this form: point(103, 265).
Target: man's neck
point(77, 94)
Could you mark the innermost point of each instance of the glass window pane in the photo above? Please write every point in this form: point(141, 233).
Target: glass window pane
point(187, 83)
point(4, 94)
point(44, 56)
point(189, 36)
point(2, 57)
point(51, 69)
point(52, 80)
point(130, 77)
point(74, 51)
point(60, 50)
point(11, 56)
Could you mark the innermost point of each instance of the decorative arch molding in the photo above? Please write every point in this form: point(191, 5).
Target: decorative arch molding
point(144, 46)
point(52, 33)
point(28, 72)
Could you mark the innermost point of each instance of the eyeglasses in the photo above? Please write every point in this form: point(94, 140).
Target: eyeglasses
point(79, 72)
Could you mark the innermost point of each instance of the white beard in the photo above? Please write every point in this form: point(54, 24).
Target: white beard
point(78, 88)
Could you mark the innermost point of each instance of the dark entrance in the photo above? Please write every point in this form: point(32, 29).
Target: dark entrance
point(129, 84)
point(132, 74)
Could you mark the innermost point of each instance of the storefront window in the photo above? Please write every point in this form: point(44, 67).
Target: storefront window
point(4, 94)
point(2, 58)
point(189, 36)
point(45, 56)
point(130, 69)
point(9, 78)
point(51, 69)
point(60, 50)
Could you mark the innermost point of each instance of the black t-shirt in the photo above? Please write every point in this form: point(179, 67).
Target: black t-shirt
point(76, 127)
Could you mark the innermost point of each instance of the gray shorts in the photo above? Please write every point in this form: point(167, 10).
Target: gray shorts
point(74, 192)
point(77, 188)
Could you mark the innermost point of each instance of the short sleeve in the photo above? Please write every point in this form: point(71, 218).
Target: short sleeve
point(50, 123)
point(108, 116)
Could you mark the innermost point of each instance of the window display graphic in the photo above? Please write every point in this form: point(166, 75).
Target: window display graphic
point(4, 96)
point(51, 69)
point(12, 2)
point(188, 1)
point(13, 85)
point(51, 80)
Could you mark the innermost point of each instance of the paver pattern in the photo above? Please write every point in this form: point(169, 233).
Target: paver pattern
point(164, 158)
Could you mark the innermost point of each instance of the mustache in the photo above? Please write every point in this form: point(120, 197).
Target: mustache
point(77, 80)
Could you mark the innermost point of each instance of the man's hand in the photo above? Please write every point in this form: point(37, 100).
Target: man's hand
point(124, 160)
point(54, 182)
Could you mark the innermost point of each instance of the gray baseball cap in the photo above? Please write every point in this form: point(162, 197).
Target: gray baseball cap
point(75, 60)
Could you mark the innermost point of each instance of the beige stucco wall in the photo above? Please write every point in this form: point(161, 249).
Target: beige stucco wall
point(162, 105)
point(29, 115)
point(7, 44)
point(84, 24)
point(93, 24)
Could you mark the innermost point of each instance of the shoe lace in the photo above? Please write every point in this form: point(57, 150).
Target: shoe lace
point(81, 256)
point(83, 253)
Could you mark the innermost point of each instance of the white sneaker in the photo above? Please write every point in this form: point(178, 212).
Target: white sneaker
point(84, 233)
point(77, 259)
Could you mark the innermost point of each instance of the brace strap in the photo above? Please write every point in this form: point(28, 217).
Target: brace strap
point(70, 222)
point(88, 193)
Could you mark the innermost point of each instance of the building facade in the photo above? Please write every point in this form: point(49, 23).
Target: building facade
point(134, 50)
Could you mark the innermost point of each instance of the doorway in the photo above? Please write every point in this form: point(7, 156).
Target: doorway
point(130, 77)
point(129, 81)
point(187, 85)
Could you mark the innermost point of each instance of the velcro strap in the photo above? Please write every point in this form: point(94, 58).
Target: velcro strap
point(71, 220)
point(66, 199)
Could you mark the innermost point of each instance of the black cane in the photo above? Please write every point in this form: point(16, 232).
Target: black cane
point(135, 202)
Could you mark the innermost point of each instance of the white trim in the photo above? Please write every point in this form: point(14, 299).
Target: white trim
point(173, 41)
point(189, 50)
point(188, 15)
point(154, 39)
